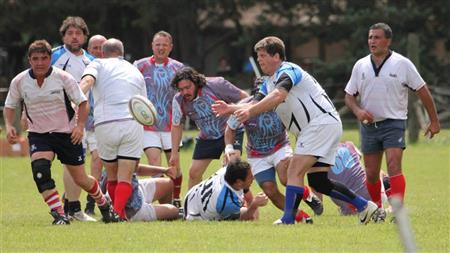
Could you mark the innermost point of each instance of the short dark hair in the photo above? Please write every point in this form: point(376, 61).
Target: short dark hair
point(163, 34)
point(237, 169)
point(77, 22)
point(188, 73)
point(272, 45)
point(385, 27)
point(39, 46)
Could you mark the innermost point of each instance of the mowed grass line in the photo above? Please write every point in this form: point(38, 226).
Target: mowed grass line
point(25, 223)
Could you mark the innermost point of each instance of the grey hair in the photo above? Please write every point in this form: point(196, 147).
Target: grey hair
point(383, 26)
point(112, 46)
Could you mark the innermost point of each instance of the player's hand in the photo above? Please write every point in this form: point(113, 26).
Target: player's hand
point(242, 115)
point(364, 116)
point(11, 135)
point(260, 199)
point(171, 172)
point(174, 162)
point(220, 108)
point(432, 129)
point(77, 135)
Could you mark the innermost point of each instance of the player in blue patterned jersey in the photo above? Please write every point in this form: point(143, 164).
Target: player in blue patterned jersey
point(195, 96)
point(158, 71)
point(221, 196)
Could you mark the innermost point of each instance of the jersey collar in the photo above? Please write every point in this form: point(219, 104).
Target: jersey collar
point(32, 75)
point(153, 61)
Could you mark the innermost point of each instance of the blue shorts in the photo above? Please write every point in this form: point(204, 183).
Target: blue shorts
point(377, 137)
point(212, 149)
point(266, 175)
point(58, 143)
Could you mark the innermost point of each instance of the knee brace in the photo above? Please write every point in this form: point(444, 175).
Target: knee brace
point(42, 175)
point(319, 181)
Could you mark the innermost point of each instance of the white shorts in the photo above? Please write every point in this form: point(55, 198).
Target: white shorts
point(154, 139)
point(90, 141)
point(119, 138)
point(147, 211)
point(319, 140)
point(260, 164)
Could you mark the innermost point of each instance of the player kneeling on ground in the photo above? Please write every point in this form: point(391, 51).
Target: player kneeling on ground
point(221, 197)
point(139, 206)
point(47, 94)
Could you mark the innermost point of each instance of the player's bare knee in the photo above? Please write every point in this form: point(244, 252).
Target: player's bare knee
point(195, 174)
point(42, 174)
point(270, 189)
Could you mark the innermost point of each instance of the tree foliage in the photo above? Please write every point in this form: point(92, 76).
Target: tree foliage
point(200, 27)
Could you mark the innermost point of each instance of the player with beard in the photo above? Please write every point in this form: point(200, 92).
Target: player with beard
point(196, 94)
point(72, 58)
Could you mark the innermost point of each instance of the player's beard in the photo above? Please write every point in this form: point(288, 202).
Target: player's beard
point(73, 49)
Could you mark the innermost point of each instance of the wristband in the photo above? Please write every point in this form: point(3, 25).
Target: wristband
point(229, 148)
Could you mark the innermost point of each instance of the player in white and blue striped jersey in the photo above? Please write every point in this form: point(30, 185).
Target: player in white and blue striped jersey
point(221, 196)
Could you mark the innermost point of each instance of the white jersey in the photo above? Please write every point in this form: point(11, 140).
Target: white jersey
point(306, 104)
point(384, 95)
point(47, 107)
point(74, 64)
point(213, 199)
point(116, 82)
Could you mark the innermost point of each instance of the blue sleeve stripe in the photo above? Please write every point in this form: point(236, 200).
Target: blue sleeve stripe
point(89, 56)
point(57, 53)
point(292, 71)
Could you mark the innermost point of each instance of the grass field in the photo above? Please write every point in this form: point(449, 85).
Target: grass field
point(26, 224)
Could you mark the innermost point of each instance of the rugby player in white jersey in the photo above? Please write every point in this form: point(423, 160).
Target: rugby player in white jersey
point(54, 127)
point(221, 196)
point(71, 57)
point(269, 153)
point(119, 137)
point(307, 112)
point(382, 80)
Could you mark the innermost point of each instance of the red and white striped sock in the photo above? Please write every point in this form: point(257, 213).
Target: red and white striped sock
point(54, 203)
point(97, 194)
point(306, 193)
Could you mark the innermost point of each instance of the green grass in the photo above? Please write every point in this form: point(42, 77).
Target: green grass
point(25, 222)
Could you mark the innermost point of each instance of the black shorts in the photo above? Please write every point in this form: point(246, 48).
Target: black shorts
point(212, 149)
point(58, 143)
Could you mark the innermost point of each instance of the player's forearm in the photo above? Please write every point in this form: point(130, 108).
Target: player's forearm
point(351, 103)
point(86, 83)
point(428, 102)
point(8, 115)
point(150, 170)
point(176, 134)
point(83, 109)
point(230, 135)
point(269, 102)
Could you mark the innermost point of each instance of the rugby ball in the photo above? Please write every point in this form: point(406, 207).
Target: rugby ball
point(142, 110)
